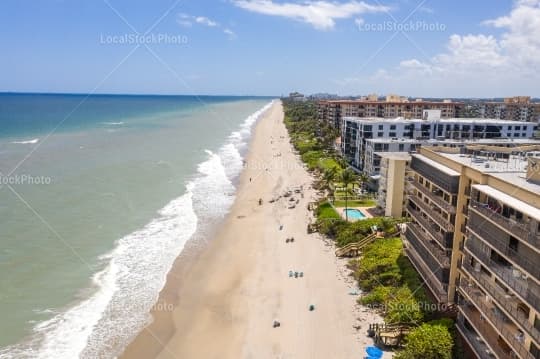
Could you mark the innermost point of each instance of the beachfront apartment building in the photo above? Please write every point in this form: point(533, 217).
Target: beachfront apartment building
point(363, 138)
point(519, 108)
point(474, 237)
point(333, 111)
point(391, 184)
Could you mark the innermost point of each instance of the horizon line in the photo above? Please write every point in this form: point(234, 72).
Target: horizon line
point(124, 94)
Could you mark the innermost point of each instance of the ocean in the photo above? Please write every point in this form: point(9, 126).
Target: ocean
point(98, 196)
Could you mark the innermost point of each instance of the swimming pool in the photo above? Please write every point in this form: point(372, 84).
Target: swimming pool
point(355, 214)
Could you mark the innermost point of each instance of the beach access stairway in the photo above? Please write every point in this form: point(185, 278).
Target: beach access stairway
point(390, 335)
point(353, 249)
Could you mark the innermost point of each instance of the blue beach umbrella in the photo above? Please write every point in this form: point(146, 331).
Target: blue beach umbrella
point(374, 352)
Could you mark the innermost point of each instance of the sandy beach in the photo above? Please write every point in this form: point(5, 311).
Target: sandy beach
point(222, 302)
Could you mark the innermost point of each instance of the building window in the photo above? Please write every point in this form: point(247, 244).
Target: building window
point(392, 134)
point(401, 147)
point(381, 127)
point(380, 134)
point(392, 127)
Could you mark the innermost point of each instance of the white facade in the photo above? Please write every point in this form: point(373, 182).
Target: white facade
point(361, 138)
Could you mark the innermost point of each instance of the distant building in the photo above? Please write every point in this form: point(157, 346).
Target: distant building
point(333, 111)
point(474, 238)
point(519, 108)
point(296, 96)
point(391, 191)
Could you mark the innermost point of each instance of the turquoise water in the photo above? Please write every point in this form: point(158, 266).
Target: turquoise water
point(355, 214)
point(104, 193)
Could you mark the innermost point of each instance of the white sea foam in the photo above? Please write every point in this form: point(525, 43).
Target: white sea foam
point(135, 271)
point(27, 142)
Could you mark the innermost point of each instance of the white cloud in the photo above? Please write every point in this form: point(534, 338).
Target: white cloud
point(205, 21)
point(414, 65)
point(322, 15)
point(426, 9)
point(186, 20)
point(229, 33)
point(483, 62)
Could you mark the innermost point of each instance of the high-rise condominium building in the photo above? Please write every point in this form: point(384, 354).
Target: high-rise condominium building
point(474, 237)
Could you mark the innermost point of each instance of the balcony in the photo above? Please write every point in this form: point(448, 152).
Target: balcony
point(445, 239)
point(520, 230)
point(439, 201)
point(437, 289)
point(441, 179)
point(430, 211)
point(509, 303)
point(526, 260)
point(484, 339)
point(507, 330)
point(525, 288)
point(435, 276)
point(420, 238)
point(484, 348)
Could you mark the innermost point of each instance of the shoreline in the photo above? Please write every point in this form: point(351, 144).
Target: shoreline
point(226, 296)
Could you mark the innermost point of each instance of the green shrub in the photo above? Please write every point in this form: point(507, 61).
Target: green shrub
point(379, 295)
point(403, 308)
point(428, 342)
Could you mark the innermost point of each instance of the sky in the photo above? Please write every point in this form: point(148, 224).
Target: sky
point(417, 48)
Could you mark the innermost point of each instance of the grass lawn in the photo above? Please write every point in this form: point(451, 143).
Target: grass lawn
point(326, 211)
point(327, 163)
point(356, 203)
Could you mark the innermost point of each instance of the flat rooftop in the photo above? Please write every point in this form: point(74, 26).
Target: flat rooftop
point(480, 121)
point(512, 170)
point(385, 102)
point(447, 141)
point(437, 165)
point(390, 140)
point(394, 155)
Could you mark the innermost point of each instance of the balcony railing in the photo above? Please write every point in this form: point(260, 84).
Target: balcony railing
point(437, 288)
point(436, 268)
point(482, 341)
point(504, 301)
point(433, 197)
point(445, 239)
point(530, 266)
point(516, 229)
point(530, 291)
point(477, 298)
point(442, 180)
point(439, 219)
point(486, 332)
point(420, 238)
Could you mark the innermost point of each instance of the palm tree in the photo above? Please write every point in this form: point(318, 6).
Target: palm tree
point(363, 179)
point(328, 177)
point(347, 177)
